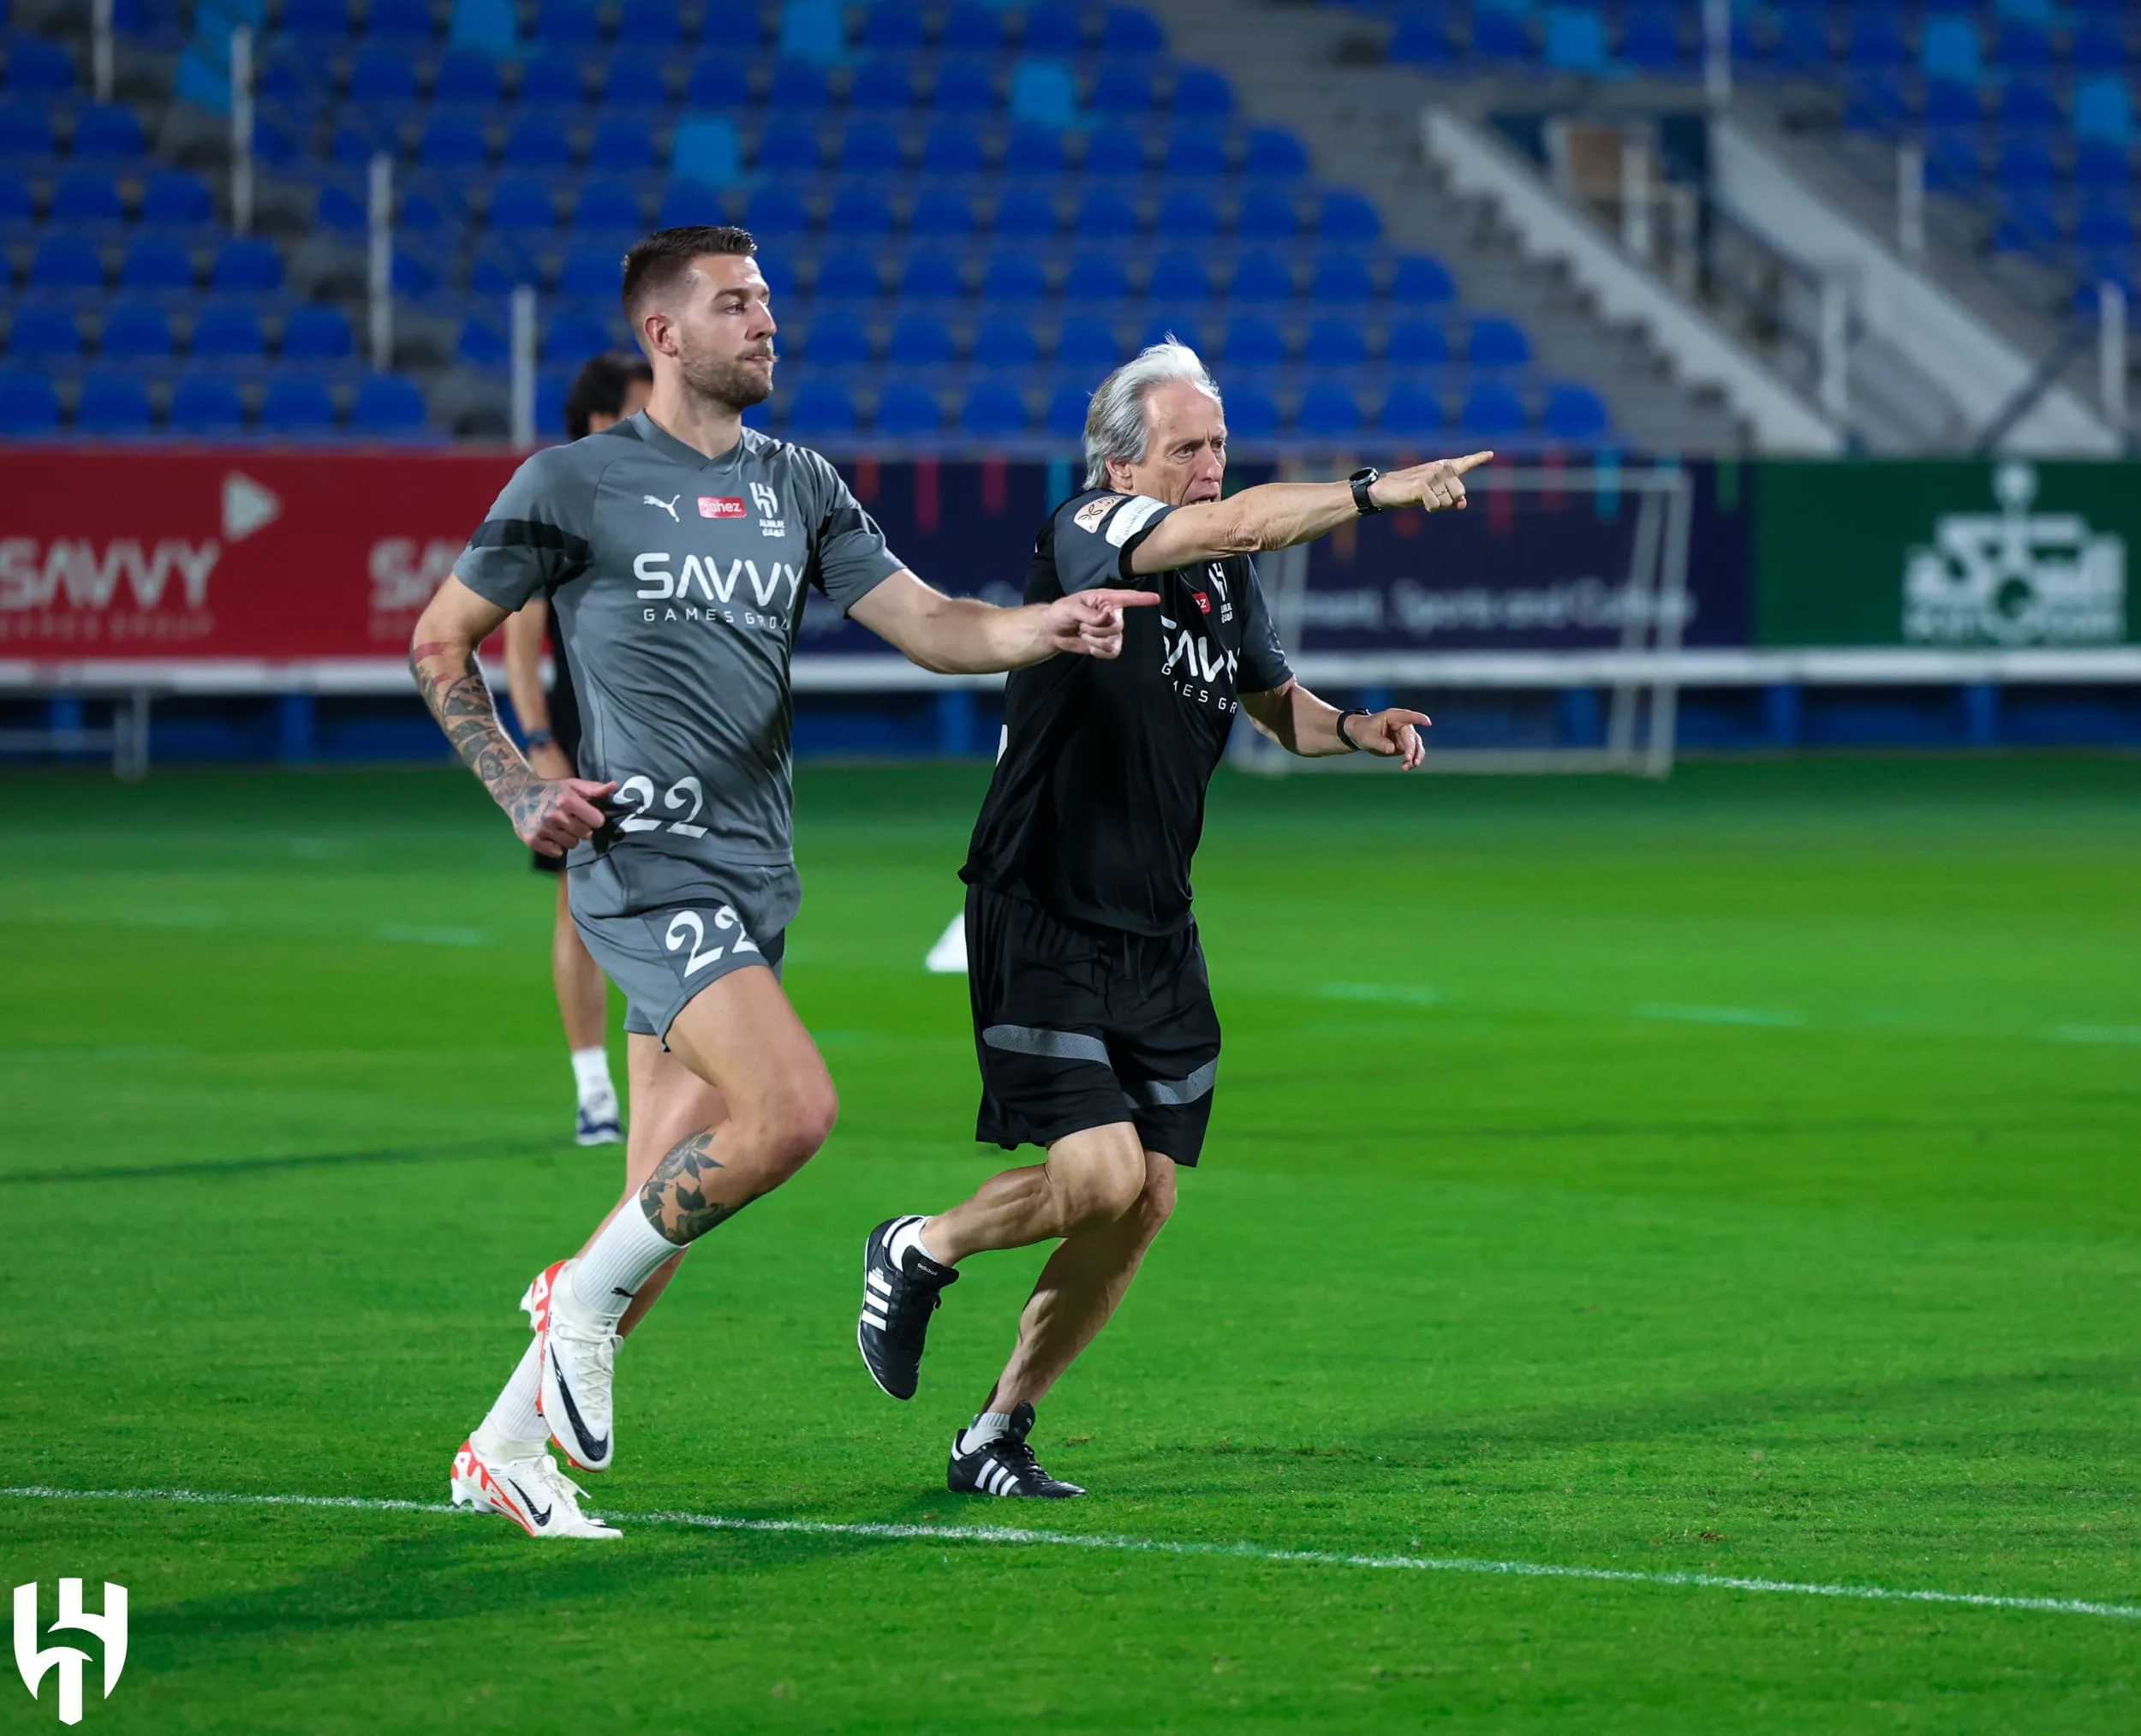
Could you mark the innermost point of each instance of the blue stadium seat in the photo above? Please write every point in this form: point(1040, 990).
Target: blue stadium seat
point(636, 81)
point(383, 72)
point(205, 404)
point(1875, 40)
point(850, 274)
point(1410, 408)
point(932, 274)
point(175, 196)
point(1066, 414)
point(1573, 40)
point(919, 340)
point(1105, 214)
point(1087, 341)
point(2102, 110)
point(732, 24)
point(1004, 341)
point(572, 334)
point(567, 23)
point(2028, 222)
point(2025, 44)
point(2104, 226)
point(402, 20)
point(245, 265)
point(1274, 153)
point(992, 407)
point(135, 331)
point(1951, 104)
point(1201, 93)
point(482, 342)
point(2101, 165)
point(650, 24)
point(798, 87)
point(466, 75)
point(951, 147)
point(940, 212)
point(813, 30)
point(589, 269)
point(1252, 414)
point(964, 87)
point(43, 329)
point(718, 81)
point(1261, 277)
point(536, 141)
point(1026, 211)
point(1253, 341)
point(776, 211)
point(64, 261)
point(1341, 277)
point(860, 211)
point(36, 68)
point(112, 403)
point(1095, 277)
point(1033, 149)
point(1875, 102)
point(1116, 151)
point(86, 195)
point(1194, 149)
point(1334, 344)
point(16, 206)
point(25, 130)
point(705, 150)
point(2028, 102)
point(893, 24)
point(607, 205)
point(108, 132)
point(620, 145)
point(789, 146)
point(1416, 343)
point(1490, 409)
point(1179, 276)
point(1953, 162)
point(1948, 51)
point(2099, 45)
point(451, 141)
point(155, 262)
point(520, 203)
point(1497, 343)
point(881, 84)
point(1420, 37)
point(317, 332)
point(1327, 411)
point(1013, 277)
point(905, 410)
point(1651, 37)
point(1268, 211)
point(29, 404)
point(1131, 30)
point(1042, 93)
point(1122, 89)
point(388, 406)
point(1178, 327)
point(556, 78)
point(871, 147)
point(1055, 30)
point(821, 407)
point(1502, 32)
point(1348, 217)
point(1574, 413)
point(1187, 214)
point(974, 27)
point(227, 330)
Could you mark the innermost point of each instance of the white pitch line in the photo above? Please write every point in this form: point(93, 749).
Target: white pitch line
point(1017, 1536)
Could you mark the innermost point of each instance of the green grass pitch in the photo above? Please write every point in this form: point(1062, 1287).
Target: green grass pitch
point(1738, 1177)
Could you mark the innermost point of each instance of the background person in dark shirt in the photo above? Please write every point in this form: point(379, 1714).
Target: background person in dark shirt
point(607, 390)
point(1093, 1014)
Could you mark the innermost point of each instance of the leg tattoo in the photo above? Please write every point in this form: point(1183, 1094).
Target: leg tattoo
point(674, 1198)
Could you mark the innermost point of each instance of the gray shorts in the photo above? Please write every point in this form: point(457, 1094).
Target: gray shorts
point(662, 928)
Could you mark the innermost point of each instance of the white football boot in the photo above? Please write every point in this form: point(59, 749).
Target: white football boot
point(579, 1361)
point(532, 1493)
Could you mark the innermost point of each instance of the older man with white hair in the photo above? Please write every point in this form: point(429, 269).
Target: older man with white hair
point(1093, 1014)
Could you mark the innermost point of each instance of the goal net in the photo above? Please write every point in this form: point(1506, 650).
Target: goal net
point(1540, 627)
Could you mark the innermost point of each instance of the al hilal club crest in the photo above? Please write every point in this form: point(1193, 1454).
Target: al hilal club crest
point(2015, 577)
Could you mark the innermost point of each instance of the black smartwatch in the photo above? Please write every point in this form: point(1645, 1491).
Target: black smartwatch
point(540, 739)
point(1364, 502)
point(1354, 711)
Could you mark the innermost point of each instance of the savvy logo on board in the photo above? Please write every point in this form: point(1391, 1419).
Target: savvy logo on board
point(33, 1662)
point(2015, 577)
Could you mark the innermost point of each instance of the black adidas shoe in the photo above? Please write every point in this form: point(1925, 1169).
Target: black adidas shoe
point(1006, 1465)
point(897, 1303)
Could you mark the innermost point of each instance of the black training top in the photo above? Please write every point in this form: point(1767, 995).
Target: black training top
point(1098, 800)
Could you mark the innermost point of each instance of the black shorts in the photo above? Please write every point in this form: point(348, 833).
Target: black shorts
point(1079, 1027)
point(564, 730)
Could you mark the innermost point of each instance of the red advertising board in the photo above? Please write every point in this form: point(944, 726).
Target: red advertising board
point(130, 552)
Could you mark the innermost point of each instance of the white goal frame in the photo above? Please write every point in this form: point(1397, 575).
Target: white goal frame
point(1642, 673)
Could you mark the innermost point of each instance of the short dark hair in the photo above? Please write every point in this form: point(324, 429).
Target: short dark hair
point(600, 389)
point(657, 266)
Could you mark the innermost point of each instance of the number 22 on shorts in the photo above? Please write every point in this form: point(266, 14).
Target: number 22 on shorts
point(688, 929)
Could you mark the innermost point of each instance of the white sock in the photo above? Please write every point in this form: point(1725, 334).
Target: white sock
point(990, 1425)
point(604, 1281)
point(591, 1070)
point(515, 1427)
point(908, 1237)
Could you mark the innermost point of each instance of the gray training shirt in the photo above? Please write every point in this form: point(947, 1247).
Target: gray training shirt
point(678, 582)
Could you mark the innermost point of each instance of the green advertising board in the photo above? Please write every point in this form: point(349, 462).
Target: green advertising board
point(1944, 554)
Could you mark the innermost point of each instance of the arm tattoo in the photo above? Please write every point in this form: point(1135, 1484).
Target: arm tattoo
point(463, 706)
point(674, 1198)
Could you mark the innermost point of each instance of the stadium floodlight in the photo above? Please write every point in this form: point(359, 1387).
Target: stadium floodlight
point(1553, 581)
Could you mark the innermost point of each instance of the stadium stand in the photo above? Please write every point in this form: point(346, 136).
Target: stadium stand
point(968, 211)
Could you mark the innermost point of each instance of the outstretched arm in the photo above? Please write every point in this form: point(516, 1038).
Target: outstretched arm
point(1303, 724)
point(551, 815)
point(962, 636)
point(1278, 515)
